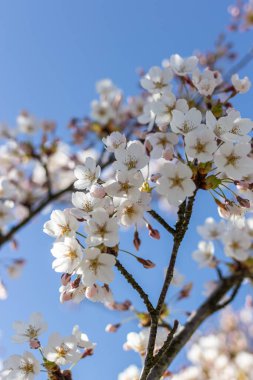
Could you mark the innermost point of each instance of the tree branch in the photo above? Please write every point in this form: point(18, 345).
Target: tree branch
point(207, 308)
point(163, 223)
point(135, 286)
point(184, 215)
point(33, 212)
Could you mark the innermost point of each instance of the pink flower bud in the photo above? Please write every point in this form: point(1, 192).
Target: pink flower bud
point(91, 292)
point(155, 234)
point(137, 240)
point(97, 191)
point(65, 296)
point(65, 279)
point(243, 202)
point(34, 344)
point(148, 264)
point(112, 328)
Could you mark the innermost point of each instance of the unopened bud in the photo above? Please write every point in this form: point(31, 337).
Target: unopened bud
point(34, 344)
point(112, 328)
point(243, 202)
point(65, 279)
point(148, 264)
point(91, 291)
point(137, 240)
point(155, 234)
point(65, 296)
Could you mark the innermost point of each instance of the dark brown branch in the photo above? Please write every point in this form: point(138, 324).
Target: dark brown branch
point(163, 223)
point(135, 286)
point(231, 297)
point(208, 308)
point(184, 215)
point(167, 343)
point(8, 236)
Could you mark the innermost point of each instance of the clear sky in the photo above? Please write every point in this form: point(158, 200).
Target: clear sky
point(51, 55)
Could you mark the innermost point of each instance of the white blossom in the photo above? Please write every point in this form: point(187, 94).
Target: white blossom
point(68, 255)
point(211, 230)
point(132, 158)
point(175, 182)
point(206, 81)
point(102, 111)
point(241, 85)
point(86, 174)
point(232, 160)
point(182, 66)
point(102, 229)
point(27, 331)
point(204, 254)
point(61, 224)
point(82, 339)
point(21, 367)
point(96, 266)
point(161, 142)
point(61, 350)
point(157, 80)
point(184, 123)
point(126, 185)
point(200, 144)
point(236, 243)
point(114, 141)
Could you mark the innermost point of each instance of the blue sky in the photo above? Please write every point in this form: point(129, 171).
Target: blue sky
point(52, 53)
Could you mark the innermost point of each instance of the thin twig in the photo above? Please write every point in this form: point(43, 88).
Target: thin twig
point(163, 223)
point(135, 286)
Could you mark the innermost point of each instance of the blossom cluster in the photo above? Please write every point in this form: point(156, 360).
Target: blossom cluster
point(236, 238)
point(59, 351)
point(182, 148)
point(224, 354)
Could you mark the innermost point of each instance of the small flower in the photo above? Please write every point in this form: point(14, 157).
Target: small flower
point(130, 212)
point(82, 339)
point(184, 123)
point(182, 66)
point(237, 243)
point(205, 253)
point(232, 160)
point(96, 266)
point(161, 142)
point(61, 350)
point(157, 80)
point(86, 175)
point(132, 158)
point(241, 85)
point(27, 331)
point(68, 254)
point(61, 224)
point(114, 141)
point(21, 367)
point(200, 144)
point(102, 229)
point(85, 204)
point(175, 182)
point(211, 230)
point(102, 111)
point(126, 185)
point(207, 81)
